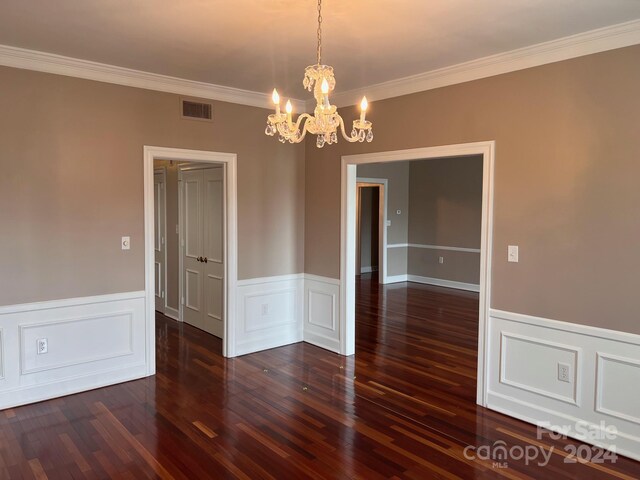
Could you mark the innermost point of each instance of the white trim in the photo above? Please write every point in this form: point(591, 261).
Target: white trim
point(172, 313)
point(319, 278)
point(1, 354)
point(600, 359)
point(347, 239)
point(576, 381)
point(433, 247)
point(70, 302)
point(397, 278)
point(585, 43)
point(73, 371)
point(73, 67)
point(270, 312)
point(275, 278)
point(440, 282)
point(382, 224)
point(229, 160)
point(597, 332)
point(573, 46)
point(591, 345)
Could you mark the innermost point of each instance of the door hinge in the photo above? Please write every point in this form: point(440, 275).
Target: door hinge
point(182, 301)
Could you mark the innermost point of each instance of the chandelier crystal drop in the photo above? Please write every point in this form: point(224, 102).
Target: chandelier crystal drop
point(325, 120)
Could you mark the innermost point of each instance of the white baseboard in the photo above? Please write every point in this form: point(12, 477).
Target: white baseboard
point(92, 342)
point(604, 378)
point(172, 313)
point(395, 278)
point(471, 287)
point(368, 269)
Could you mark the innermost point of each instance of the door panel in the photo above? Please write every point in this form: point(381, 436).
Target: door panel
point(193, 214)
point(203, 251)
point(213, 207)
point(158, 239)
point(193, 311)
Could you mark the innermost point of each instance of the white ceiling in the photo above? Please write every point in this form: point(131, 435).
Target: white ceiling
point(258, 44)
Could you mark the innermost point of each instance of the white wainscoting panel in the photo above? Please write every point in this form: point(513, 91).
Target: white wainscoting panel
point(615, 398)
point(321, 314)
point(269, 312)
point(604, 378)
point(1, 355)
point(92, 342)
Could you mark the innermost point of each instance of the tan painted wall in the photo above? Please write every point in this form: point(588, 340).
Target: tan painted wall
point(71, 153)
point(445, 209)
point(397, 175)
point(566, 181)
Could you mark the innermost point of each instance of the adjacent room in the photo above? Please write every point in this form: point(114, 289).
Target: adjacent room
point(417, 309)
point(319, 239)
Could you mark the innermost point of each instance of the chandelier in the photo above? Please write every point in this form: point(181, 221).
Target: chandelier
point(325, 120)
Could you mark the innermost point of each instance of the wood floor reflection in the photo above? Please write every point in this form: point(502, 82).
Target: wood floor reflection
point(403, 407)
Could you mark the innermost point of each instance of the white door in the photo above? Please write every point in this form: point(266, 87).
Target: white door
point(159, 240)
point(203, 249)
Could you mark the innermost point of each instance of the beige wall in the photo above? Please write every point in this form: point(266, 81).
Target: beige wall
point(397, 175)
point(445, 209)
point(566, 188)
point(71, 153)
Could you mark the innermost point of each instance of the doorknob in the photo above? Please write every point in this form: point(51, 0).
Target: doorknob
point(199, 259)
point(205, 259)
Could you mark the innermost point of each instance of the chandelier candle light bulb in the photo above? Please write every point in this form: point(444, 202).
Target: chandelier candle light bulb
point(325, 120)
point(363, 109)
point(276, 100)
point(289, 109)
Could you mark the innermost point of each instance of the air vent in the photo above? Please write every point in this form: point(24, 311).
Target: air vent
point(197, 110)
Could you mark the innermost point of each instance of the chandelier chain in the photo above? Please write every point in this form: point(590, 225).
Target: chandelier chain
point(319, 31)
point(325, 122)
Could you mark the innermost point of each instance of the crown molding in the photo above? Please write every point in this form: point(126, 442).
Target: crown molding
point(586, 43)
point(73, 67)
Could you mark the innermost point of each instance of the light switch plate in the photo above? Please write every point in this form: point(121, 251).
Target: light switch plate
point(126, 243)
point(512, 253)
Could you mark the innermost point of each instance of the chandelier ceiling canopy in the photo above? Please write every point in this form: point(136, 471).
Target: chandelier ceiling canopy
point(325, 120)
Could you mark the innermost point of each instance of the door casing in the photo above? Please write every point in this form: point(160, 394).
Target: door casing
point(229, 160)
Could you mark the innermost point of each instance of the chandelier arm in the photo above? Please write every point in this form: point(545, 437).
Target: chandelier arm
point(344, 133)
point(299, 121)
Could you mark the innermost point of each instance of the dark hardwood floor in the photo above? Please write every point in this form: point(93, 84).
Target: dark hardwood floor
point(403, 407)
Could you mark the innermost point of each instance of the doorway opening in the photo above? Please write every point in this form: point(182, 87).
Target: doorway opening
point(191, 241)
point(371, 243)
point(350, 173)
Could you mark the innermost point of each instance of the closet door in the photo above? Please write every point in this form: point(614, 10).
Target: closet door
point(193, 267)
point(158, 241)
point(213, 251)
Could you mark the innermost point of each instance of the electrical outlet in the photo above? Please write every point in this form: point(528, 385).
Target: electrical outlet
point(512, 253)
point(265, 309)
point(42, 346)
point(564, 372)
point(126, 243)
point(440, 260)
